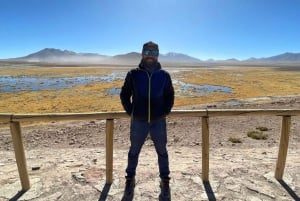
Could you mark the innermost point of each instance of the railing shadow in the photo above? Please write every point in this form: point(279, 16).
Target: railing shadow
point(17, 196)
point(288, 189)
point(104, 192)
point(209, 192)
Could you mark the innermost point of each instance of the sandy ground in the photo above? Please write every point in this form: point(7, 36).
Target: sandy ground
point(66, 160)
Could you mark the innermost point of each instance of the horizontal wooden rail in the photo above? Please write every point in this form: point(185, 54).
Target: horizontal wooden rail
point(15, 119)
point(122, 114)
point(4, 117)
point(252, 112)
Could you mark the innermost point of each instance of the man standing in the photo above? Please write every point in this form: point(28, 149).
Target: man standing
point(148, 96)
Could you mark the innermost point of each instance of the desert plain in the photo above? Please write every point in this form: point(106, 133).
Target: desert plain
point(66, 160)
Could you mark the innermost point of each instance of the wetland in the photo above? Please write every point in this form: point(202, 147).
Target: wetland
point(50, 89)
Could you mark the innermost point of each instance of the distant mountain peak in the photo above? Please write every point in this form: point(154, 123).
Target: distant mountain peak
point(178, 57)
point(53, 55)
point(285, 57)
point(51, 52)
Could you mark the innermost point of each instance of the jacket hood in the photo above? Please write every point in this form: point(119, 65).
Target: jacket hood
point(155, 67)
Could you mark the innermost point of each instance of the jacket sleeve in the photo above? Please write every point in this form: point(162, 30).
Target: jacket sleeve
point(169, 95)
point(126, 93)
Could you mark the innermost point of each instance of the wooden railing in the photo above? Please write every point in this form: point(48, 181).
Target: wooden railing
point(15, 121)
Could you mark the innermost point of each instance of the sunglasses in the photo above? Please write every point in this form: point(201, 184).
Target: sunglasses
point(150, 52)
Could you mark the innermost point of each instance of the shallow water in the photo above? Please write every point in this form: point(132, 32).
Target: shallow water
point(28, 83)
point(187, 88)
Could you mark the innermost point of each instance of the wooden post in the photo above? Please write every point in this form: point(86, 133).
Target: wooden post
point(109, 150)
point(205, 149)
point(283, 147)
point(15, 130)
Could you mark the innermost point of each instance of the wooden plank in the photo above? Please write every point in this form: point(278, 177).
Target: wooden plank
point(20, 154)
point(188, 113)
point(252, 112)
point(5, 117)
point(205, 149)
point(122, 114)
point(69, 116)
point(283, 146)
point(98, 115)
point(109, 150)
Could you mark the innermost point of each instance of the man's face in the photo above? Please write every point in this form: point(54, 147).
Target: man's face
point(150, 56)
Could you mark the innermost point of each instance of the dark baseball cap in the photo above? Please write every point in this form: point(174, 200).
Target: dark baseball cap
point(150, 46)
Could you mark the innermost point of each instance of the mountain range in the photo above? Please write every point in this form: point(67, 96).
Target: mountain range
point(52, 55)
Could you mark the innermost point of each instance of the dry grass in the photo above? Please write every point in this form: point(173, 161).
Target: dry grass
point(246, 82)
point(55, 71)
point(262, 128)
point(234, 140)
point(257, 135)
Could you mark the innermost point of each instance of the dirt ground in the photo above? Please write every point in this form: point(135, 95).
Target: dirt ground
point(66, 160)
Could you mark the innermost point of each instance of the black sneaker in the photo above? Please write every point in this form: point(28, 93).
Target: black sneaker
point(165, 194)
point(129, 189)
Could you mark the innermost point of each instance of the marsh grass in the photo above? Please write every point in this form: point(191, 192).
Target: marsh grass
point(55, 71)
point(246, 82)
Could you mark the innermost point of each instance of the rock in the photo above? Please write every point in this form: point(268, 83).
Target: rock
point(79, 176)
point(72, 165)
point(259, 189)
point(9, 190)
point(35, 168)
point(252, 198)
point(55, 196)
point(197, 180)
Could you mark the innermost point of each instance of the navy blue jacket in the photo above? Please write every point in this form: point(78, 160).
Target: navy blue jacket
point(147, 96)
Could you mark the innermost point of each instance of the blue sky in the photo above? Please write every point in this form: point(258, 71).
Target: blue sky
point(218, 29)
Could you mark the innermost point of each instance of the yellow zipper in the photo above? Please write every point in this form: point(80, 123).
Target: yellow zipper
point(149, 98)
